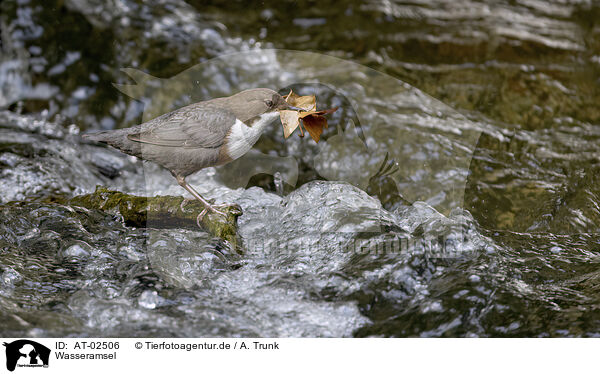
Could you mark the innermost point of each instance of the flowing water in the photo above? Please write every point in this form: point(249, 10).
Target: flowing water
point(455, 192)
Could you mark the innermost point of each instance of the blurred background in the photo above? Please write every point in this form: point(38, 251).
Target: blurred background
point(529, 63)
point(522, 78)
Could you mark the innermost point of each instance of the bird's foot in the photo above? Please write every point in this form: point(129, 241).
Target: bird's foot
point(227, 206)
point(237, 210)
point(212, 207)
point(185, 202)
point(207, 208)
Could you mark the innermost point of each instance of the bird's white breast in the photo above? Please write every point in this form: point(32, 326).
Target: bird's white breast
point(241, 138)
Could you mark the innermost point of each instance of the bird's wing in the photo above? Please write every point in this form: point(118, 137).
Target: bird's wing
point(196, 127)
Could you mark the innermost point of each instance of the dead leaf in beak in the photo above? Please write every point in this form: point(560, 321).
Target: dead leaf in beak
point(290, 121)
point(307, 103)
point(312, 120)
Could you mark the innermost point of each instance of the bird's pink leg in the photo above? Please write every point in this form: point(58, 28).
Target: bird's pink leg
point(207, 206)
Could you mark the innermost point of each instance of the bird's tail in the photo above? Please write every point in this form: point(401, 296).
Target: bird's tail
point(96, 137)
point(117, 139)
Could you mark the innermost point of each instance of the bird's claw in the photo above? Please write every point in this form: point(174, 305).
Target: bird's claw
point(200, 217)
point(222, 206)
point(185, 202)
point(212, 208)
point(215, 209)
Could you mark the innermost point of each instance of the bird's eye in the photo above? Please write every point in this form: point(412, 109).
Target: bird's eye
point(269, 103)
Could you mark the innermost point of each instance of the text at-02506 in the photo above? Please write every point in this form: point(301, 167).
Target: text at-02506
point(96, 345)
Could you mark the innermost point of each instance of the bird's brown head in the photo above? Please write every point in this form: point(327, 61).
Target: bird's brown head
point(252, 103)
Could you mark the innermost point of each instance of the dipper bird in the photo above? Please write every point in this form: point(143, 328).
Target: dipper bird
point(207, 133)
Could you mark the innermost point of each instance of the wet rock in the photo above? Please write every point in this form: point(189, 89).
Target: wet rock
point(41, 158)
point(162, 211)
point(34, 162)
